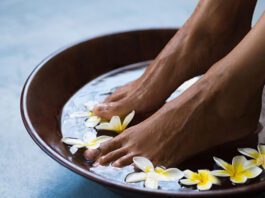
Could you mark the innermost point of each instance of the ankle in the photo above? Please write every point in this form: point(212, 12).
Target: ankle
point(222, 15)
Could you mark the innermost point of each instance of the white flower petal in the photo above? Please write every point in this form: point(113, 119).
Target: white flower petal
point(221, 163)
point(80, 114)
point(72, 141)
point(172, 174)
point(151, 181)
point(250, 152)
point(261, 148)
point(104, 126)
point(238, 179)
point(115, 123)
point(253, 172)
point(143, 163)
point(73, 149)
point(220, 173)
point(250, 163)
point(188, 182)
point(204, 186)
point(92, 121)
point(135, 177)
point(88, 137)
point(103, 138)
point(239, 161)
point(128, 119)
point(215, 180)
point(91, 130)
point(188, 173)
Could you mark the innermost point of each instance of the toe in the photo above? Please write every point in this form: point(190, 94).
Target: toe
point(112, 156)
point(91, 154)
point(109, 146)
point(124, 161)
point(107, 110)
point(103, 110)
point(117, 95)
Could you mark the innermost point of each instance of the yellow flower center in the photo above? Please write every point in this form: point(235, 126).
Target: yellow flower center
point(231, 170)
point(261, 159)
point(203, 177)
point(120, 129)
point(148, 169)
point(159, 170)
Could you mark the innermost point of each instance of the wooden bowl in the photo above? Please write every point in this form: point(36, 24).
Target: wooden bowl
point(61, 74)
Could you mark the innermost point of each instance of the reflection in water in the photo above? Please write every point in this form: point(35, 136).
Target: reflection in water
point(104, 85)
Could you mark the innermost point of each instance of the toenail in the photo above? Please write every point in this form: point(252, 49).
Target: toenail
point(101, 107)
point(101, 160)
point(116, 164)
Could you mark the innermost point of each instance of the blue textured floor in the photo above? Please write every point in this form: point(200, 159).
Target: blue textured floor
point(29, 31)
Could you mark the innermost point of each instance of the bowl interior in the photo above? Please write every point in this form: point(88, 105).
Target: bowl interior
point(59, 76)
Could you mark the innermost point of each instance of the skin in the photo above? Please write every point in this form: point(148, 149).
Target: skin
point(224, 105)
point(214, 28)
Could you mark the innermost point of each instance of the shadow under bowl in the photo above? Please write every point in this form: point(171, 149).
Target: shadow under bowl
point(61, 74)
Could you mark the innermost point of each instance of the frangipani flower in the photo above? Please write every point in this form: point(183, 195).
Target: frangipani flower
point(203, 179)
point(239, 171)
point(92, 120)
point(257, 155)
point(115, 123)
point(152, 175)
point(90, 140)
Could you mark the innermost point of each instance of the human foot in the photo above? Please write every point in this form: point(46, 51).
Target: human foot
point(204, 39)
point(211, 111)
point(224, 105)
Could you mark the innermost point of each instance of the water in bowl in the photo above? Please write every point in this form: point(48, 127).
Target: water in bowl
point(103, 86)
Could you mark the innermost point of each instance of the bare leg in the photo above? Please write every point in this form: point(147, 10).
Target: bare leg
point(224, 105)
point(212, 31)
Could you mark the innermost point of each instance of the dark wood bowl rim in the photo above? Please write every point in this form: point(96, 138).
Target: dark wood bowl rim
point(256, 187)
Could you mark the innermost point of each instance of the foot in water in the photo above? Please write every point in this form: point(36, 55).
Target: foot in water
point(203, 112)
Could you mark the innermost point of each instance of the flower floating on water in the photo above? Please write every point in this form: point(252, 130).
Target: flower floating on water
point(92, 120)
point(152, 175)
point(203, 179)
point(115, 123)
point(90, 140)
point(239, 171)
point(257, 155)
